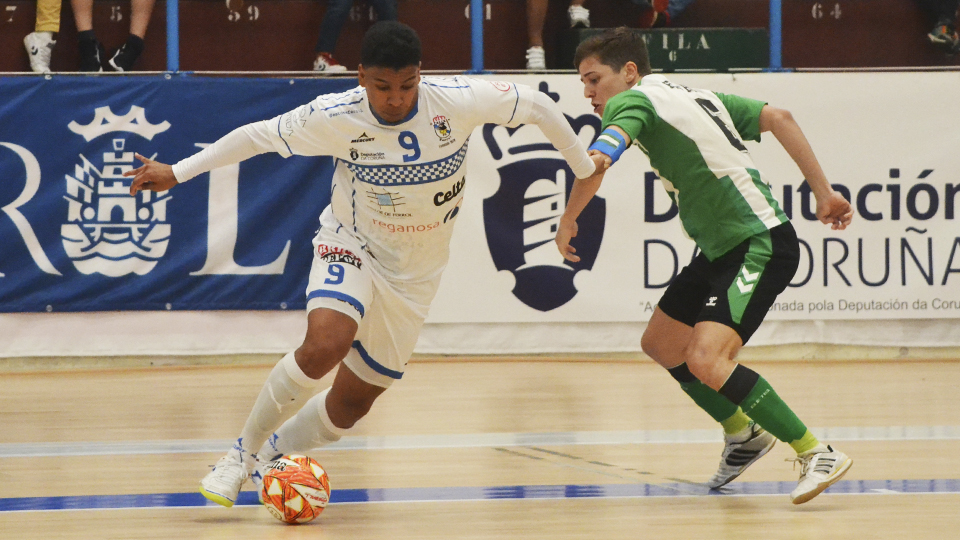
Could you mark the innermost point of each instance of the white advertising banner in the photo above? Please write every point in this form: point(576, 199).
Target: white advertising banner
point(880, 138)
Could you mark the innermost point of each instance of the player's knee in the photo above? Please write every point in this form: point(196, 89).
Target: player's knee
point(650, 345)
point(322, 354)
point(348, 410)
point(700, 358)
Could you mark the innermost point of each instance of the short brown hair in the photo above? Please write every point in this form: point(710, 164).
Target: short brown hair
point(614, 48)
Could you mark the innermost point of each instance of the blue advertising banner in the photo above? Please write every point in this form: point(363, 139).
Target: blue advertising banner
point(73, 239)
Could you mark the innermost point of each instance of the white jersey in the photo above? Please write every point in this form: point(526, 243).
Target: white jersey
point(398, 187)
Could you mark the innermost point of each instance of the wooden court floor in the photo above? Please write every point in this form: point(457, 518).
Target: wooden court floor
point(479, 448)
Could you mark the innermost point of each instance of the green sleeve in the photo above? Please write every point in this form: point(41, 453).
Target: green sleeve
point(630, 111)
point(745, 113)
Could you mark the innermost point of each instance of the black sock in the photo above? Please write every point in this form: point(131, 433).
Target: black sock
point(87, 35)
point(739, 384)
point(134, 44)
point(682, 374)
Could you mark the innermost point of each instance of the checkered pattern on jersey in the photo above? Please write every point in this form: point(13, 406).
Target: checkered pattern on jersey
point(421, 173)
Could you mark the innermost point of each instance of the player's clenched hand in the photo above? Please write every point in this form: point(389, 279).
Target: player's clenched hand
point(566, 231)
point(834, 210)
point(600, 160)
point(152, 175)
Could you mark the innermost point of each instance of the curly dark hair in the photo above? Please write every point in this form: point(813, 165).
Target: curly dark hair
point(390, 44)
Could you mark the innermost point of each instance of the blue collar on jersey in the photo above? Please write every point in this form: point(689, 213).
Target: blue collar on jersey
point(413, 112)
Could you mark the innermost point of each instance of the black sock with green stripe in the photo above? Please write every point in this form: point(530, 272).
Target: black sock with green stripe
point(718, 407)
point(760, 402)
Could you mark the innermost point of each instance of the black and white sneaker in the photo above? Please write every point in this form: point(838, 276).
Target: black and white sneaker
point(124, 58)
point(820, 468)
point(91, 55)
point(739, 452)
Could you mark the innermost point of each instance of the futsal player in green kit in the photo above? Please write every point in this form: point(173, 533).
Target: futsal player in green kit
point(748, 249)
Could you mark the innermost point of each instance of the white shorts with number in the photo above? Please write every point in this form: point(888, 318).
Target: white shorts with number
point(389, 313)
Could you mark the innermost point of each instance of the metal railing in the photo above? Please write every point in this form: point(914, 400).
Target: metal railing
point(476, 36)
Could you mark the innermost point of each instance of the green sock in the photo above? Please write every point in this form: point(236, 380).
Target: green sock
point(718, 407)
point(767, 409)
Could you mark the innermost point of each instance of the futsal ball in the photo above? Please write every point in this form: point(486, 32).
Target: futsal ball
point(295, 489)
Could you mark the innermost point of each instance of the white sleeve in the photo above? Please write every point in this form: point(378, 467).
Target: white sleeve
point(549, 118)
point(240, 144)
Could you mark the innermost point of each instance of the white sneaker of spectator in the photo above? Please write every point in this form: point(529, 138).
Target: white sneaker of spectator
point(39, 46)
point(579, 16)
point(327, 63)
point(536, 58)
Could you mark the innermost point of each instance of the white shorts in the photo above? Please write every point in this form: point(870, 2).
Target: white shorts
point(390, 314)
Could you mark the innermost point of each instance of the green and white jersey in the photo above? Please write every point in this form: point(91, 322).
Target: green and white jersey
point(694, 139)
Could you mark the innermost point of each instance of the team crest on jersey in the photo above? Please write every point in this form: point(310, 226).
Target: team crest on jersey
point(522, 217)
point(333, 254)
point(108, 231)
point(441, 125)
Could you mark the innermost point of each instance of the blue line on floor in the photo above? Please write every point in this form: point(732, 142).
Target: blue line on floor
point(455, 493)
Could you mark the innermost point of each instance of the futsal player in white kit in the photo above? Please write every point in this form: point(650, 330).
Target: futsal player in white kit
point(400, 143)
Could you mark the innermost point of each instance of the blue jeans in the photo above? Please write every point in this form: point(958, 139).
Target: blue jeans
point(336, 16)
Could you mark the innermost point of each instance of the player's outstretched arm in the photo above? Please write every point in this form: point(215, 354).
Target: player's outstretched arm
point(581, 193)
point(238, 145)
point(832, 208)
point(152, 176)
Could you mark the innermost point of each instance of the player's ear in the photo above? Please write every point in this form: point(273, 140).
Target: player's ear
point(361, 76)
point(630, 72)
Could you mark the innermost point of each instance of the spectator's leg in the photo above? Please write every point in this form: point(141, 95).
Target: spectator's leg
point(48, 16)
point(333, 21)
point(126, 56)
point(386, 9)
point(536, 17)
point(83, 14)
point(140, 11)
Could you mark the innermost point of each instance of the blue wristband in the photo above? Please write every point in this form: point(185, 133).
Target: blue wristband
point(611, 143)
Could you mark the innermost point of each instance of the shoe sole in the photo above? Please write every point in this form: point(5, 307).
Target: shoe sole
point(831, 480)
point(749, 463)
point(216, 497)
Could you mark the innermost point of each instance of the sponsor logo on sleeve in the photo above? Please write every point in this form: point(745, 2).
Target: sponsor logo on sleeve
point(334, 254)
point(501, 85)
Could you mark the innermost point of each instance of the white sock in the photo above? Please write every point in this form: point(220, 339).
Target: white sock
point(285, 388)
point(310, 428)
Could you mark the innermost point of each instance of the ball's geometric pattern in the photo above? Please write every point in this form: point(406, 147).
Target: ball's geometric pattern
point(295, 489)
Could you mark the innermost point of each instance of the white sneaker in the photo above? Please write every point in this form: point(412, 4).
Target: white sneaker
point(739, 452)
point(536, 58)
point(820, 468)
point(326, 63)
point(222, 484)
point(579, 17)
point(39, 46)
